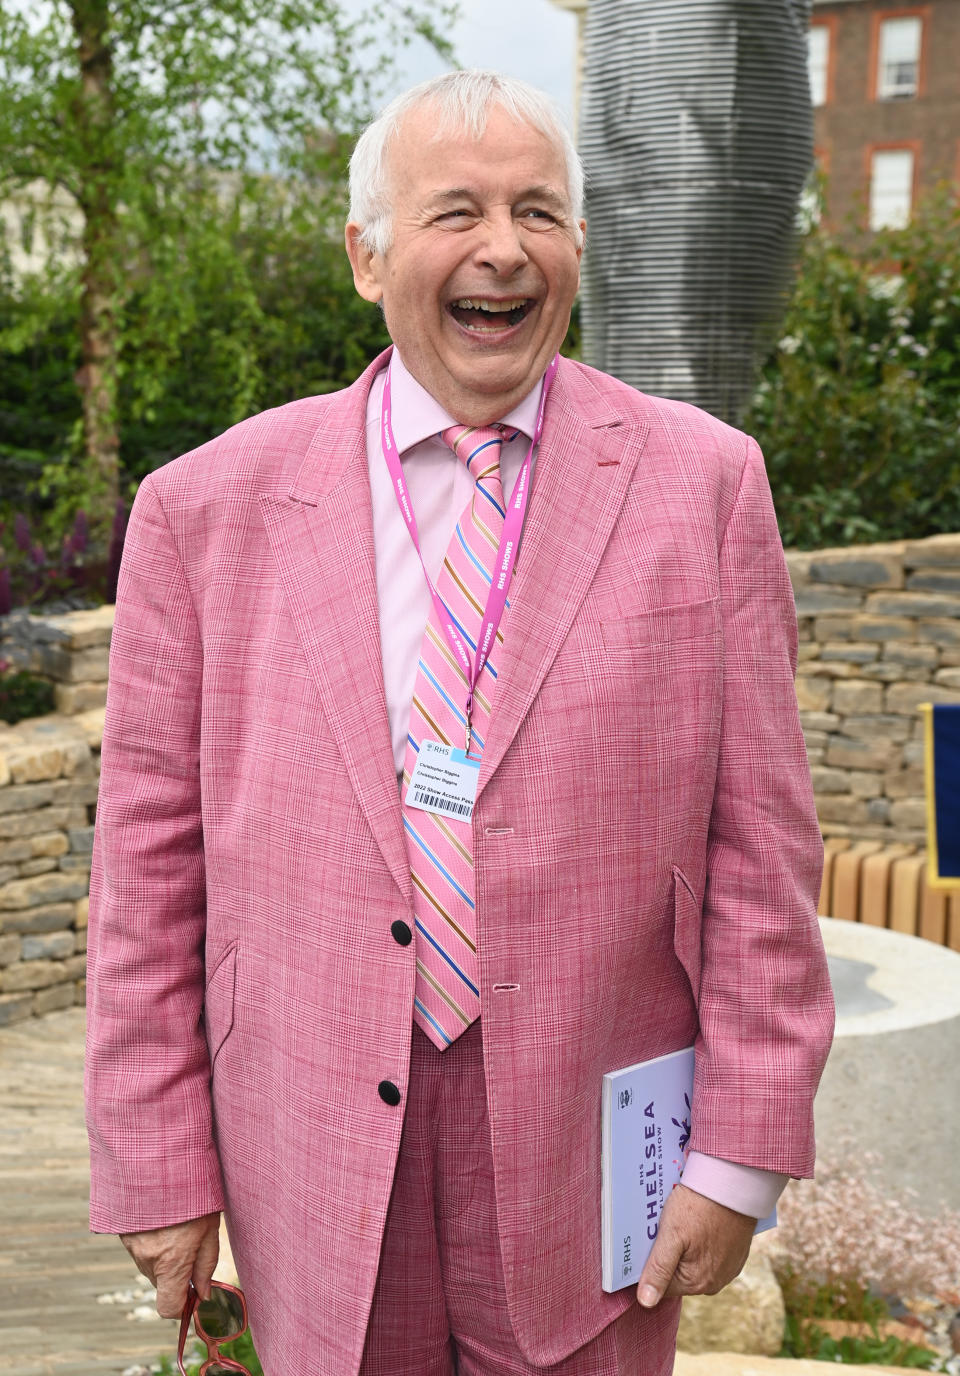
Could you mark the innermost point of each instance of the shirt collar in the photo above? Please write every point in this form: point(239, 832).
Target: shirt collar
point(416, 415)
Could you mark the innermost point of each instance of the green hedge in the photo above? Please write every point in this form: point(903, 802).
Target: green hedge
point(858, 409)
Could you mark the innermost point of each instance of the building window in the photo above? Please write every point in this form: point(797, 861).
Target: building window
point(891, 188)
point(898, 57)
point(818, 62)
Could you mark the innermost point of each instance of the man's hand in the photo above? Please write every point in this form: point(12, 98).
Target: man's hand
point(700, 1247)
point(171, 1257)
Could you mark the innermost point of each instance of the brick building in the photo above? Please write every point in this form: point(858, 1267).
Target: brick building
point(885, 83)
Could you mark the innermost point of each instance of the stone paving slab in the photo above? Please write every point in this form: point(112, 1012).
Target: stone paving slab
point(52, 1270)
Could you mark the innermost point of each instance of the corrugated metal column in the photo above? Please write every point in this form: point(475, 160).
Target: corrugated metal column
point(696, 130)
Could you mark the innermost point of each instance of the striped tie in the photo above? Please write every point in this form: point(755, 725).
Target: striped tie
point(447, 995)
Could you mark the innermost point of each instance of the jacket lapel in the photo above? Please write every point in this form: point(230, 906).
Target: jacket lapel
point(321, 535)
point(584, 465)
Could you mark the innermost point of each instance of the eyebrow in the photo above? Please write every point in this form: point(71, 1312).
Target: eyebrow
point(544, 193)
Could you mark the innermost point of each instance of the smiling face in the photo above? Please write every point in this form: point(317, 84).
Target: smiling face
point(481, 274)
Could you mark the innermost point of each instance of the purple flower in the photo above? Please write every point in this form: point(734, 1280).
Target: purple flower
point(81, 533)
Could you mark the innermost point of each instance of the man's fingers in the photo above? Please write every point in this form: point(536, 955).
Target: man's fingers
point(700, 1247)
point(172, 1292)
point(206, 1262)
point(171, 1256)
point(143, 1260)
point(661, 1264)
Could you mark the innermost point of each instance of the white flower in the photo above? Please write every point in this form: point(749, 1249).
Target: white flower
point(882, 288)
point(789, 344)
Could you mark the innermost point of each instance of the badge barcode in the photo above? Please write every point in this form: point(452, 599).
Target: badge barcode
point(431, 800)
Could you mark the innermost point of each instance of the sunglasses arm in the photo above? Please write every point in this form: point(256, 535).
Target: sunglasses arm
point(185, 1320)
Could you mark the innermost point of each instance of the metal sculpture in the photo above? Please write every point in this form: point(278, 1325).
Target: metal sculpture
point(696, 130)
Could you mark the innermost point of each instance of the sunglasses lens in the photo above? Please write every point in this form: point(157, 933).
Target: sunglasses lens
point(218, 1370)
point(221, 1316)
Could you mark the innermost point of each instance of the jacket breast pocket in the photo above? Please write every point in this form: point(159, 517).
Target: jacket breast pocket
point(686, 930)
point(218, 1001)
point(663, 625)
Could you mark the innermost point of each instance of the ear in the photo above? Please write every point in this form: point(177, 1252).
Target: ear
point(366, 265)
point(583, 237)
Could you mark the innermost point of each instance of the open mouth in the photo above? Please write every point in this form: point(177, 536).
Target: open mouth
point(480, 313)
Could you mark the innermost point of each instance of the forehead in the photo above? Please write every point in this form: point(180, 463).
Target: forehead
point(510, 154)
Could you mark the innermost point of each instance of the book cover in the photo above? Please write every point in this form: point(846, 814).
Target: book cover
point(645, 1131)
point(645, 1134)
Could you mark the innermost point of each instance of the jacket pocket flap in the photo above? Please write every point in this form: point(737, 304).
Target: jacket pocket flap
point(686, 929)
point(218, 1001)
point(664, 625)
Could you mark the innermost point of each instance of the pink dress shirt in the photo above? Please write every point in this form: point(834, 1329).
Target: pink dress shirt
point(440, 488)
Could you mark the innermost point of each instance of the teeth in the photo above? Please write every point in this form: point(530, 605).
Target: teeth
point(480, 303)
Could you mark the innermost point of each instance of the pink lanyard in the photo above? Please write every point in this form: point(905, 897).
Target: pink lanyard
point(506, 553)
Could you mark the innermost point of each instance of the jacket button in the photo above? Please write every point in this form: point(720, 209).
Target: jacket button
point(388, 1093)
point(401, 933)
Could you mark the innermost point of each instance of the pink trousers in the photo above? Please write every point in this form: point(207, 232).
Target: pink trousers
point(440, 1306)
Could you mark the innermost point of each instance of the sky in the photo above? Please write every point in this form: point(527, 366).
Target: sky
point(532, 39)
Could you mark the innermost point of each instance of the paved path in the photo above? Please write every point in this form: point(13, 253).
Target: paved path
point(52, 1271)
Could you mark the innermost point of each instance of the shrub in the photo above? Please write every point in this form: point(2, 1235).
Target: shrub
point(241, 1351)
point(807, 1340)
point(31, 576)
point(841, 1231)
point(23, 695)
point(858, 407)
point(846, 1250)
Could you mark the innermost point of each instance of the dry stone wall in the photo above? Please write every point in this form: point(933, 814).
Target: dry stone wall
point(879, 634)
point(71, 651)
point(48, 790)
point(49, 771)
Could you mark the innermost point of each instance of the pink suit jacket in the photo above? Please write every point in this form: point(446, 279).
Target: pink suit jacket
point(647, 855)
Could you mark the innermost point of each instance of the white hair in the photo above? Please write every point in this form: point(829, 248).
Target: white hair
point(462, 101)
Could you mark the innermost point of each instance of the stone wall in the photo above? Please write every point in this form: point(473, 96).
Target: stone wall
point(48, 788)
point(71, 651)
point(879, 634)
point(49, 769)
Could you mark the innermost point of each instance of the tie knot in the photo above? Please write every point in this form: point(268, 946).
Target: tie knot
point(476, 446)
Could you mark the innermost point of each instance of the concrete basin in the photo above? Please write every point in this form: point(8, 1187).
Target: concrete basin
point(892, 1083)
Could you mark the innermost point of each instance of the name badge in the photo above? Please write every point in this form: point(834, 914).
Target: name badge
point(444, 780)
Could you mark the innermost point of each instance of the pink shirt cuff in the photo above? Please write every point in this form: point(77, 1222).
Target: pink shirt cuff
point(745, 1189)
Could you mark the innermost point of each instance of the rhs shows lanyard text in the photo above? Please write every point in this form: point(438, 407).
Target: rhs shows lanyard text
point(506, 554)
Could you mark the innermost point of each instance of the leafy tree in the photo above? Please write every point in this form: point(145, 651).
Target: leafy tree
point(858, 409)
point(39, 359)
point(250, 304)
point(129, 104)
point(243, 299)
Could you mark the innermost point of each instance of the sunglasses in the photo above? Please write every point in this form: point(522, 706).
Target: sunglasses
point(217, 1320)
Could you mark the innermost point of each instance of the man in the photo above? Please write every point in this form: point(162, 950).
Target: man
point(394, 1087)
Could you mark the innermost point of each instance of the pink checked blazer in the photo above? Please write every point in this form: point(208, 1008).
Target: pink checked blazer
point(647, 855)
